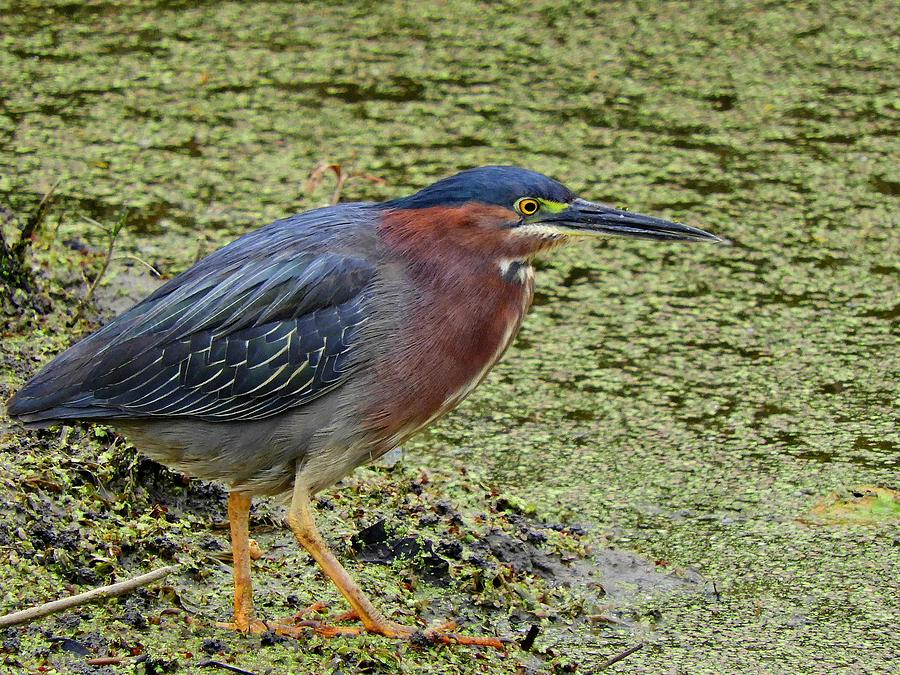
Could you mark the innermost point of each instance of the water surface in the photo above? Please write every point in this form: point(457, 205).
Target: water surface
point(688, 403)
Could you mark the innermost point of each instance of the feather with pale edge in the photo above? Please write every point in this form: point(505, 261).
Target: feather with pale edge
point(265, 324)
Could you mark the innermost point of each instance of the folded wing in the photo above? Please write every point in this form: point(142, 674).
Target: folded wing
point(268, 323)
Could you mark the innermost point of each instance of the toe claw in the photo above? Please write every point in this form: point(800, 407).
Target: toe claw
point(350, 615)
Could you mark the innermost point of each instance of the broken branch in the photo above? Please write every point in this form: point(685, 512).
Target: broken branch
point(113, 235)
point(113, 590)
point(618, 657)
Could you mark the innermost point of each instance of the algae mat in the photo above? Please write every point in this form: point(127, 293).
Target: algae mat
point(722, 420)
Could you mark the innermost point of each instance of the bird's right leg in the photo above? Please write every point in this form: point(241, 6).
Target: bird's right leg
point(300, 518)
point(239, 520)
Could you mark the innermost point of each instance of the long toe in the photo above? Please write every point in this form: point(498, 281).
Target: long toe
point(253, 627)
point(448, 638)
point(304, 616)
point(389, 629)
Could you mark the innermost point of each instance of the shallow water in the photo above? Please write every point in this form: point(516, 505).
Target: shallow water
point(690, 403)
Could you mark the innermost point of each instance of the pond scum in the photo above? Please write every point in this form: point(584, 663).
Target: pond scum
point(687, 450)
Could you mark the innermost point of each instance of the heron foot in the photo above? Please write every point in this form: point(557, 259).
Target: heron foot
point(443, 634)
point(245, 624)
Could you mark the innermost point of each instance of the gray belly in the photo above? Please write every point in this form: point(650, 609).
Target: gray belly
point(258, 456)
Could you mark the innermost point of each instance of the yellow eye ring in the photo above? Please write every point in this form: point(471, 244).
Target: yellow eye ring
point(528, 206)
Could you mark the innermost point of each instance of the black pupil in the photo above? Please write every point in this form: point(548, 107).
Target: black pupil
point(529, 207)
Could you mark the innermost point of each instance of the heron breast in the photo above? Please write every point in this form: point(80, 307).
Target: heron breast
point(449, 343)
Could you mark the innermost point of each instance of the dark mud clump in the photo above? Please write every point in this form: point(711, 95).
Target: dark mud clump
point(177, 493)
point(522, 556)
point(373, 544)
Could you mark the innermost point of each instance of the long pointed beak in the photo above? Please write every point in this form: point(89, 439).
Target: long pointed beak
point(590, 218)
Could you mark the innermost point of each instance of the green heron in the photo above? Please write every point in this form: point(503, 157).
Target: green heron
point(319, 342)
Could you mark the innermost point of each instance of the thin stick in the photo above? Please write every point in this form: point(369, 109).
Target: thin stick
point(34, 221)
point(113, 235)
point(155, 272)
point(224, 666)
point(119, 588)
point(622, 655)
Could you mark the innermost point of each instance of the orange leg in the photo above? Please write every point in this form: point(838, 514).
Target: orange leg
point(239, 520)
point(300, 518)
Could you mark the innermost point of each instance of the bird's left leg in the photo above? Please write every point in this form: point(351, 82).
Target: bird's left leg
point(300, 518)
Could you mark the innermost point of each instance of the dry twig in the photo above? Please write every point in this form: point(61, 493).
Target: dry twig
point(224, 666)
point(112, 234)
point(106, 661)
point(34, 221)
point(621, 655)
point(342, 176)
point(119, 588)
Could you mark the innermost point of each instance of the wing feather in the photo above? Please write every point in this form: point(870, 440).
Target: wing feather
point(266, 324)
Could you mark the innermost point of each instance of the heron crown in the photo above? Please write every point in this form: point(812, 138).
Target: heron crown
point(526, 192)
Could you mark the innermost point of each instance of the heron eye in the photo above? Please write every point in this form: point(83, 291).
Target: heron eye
point(528, 206)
